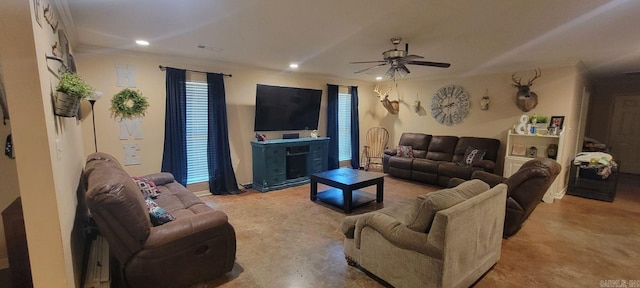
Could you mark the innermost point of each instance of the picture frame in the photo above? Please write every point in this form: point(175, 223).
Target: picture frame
point(519, 150)
point(556, 122)
point(64, 45)
point(67, 61)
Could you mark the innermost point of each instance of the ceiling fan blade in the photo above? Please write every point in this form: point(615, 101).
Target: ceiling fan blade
point(403, 69)
point(374, 66)
point(427, 63)
point(364, 62)
point(409, 58)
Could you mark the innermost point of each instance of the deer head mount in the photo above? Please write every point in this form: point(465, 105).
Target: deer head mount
point(526, 99)
point(393, 106)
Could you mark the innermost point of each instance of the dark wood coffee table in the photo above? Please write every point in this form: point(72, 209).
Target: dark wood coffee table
point(346, 182)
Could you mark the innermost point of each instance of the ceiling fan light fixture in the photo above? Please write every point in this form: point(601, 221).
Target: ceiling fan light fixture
point(397, 59)
point(391, 73)
point(293, 66)
point(379, 78)
point(399, 73)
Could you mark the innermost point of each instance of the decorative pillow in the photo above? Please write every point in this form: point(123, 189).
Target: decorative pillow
point(147, 187)
point(158, 215)
point(426, 206)
point(472, 156)
point(405, 151)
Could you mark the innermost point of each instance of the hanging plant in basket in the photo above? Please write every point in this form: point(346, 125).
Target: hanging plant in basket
point(129, 104)
point(71, 89)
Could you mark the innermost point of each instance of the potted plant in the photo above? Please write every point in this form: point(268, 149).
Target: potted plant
point(129, 104)
point(539, 121)
point(71, 89)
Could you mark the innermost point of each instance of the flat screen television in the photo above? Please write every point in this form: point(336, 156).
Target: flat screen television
point(286, 108)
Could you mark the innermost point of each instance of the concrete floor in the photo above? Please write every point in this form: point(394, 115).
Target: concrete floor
point(285, 240)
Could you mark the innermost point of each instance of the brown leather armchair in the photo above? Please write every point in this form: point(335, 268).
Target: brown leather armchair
point(197, 246)
point(525, 190)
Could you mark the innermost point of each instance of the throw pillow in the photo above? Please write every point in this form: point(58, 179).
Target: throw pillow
point(472, 156)
point(147, 187)
point(421, 216)
point(405, 151)
point(158, 215)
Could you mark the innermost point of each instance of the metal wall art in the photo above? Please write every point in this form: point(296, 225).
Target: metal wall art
point(484, 102)
point(48, 15)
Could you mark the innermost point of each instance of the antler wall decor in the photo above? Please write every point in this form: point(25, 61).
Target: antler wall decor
point(525, 98)
point(393, 106)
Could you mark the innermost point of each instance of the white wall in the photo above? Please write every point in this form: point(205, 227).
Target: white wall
point(48, 149)
point(556, 89)
point(99, 70)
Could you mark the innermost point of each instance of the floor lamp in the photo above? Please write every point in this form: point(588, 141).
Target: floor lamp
point(92, 100)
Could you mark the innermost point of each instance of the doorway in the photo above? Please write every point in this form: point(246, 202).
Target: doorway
point(624, 137)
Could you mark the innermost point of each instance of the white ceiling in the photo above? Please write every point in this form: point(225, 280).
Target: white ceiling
point(323, 36)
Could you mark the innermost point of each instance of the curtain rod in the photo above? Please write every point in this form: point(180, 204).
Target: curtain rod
point(347, 86)
point(163, 68)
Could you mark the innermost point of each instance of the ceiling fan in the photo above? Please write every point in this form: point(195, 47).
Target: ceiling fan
point(398, 59)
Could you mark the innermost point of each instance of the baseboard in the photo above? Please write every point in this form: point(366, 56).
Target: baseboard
point(97, 273)
point(562, 193)
point(4, 263)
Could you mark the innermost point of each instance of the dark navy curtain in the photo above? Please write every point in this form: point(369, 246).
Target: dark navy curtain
point(174, 156)
point(332, 125)
point(355, 129)
point(222, 179)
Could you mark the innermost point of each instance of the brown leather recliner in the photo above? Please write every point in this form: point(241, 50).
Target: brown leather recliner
point(452, 169)
point(418, 141)
point(525, 190)
point(199, 245)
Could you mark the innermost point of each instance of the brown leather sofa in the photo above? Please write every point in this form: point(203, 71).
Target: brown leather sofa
point(525, 190)
point(197, 246)
point(436, 158)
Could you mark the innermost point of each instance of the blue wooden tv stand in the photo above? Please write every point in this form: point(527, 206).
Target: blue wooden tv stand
point(283, 163)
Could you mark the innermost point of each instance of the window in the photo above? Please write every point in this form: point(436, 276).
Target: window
point(197, 111)
point(344, 127)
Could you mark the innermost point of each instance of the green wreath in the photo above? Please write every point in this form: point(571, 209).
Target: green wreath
point(129, 104)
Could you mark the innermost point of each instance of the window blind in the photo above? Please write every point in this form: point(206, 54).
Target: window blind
point(344, 127)
point(197, 168)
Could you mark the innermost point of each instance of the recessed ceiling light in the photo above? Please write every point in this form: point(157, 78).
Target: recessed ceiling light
point(142, 42)
point(293, 66)
point(379, 78)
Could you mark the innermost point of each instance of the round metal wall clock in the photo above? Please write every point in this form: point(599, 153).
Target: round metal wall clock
point(450, 104)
